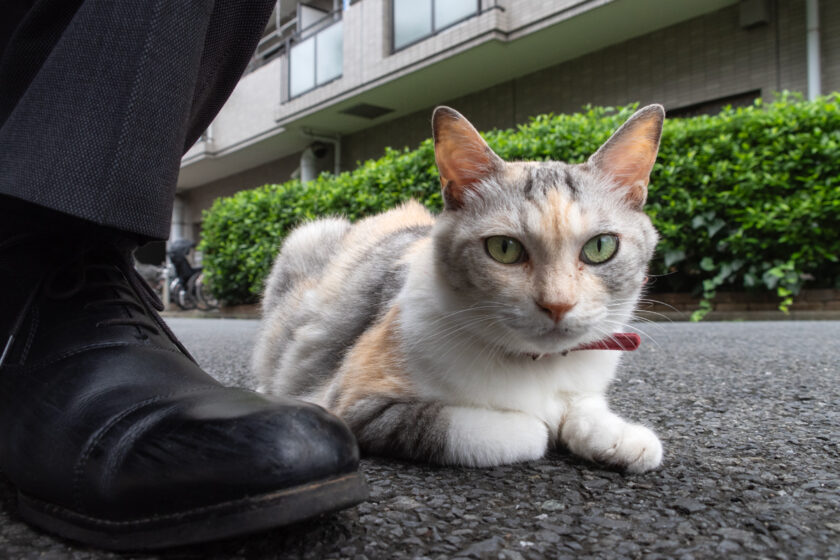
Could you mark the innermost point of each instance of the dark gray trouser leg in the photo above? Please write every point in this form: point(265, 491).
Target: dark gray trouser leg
point(99, 99)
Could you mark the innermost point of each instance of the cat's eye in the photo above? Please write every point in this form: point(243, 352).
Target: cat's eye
point(506, 250)
point(599, 249)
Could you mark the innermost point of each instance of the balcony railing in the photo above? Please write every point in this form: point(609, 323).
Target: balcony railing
point(414, 20)
point(316, 55)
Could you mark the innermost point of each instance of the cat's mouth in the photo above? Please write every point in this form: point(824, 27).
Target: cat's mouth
point(530, 340)
point(615, 341)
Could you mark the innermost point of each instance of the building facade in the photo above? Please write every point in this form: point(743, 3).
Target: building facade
point(335, 82)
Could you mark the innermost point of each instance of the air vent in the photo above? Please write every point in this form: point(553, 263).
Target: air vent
point(752, 13)
point(367, 111)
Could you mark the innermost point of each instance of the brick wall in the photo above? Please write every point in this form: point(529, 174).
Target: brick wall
point(729, 305)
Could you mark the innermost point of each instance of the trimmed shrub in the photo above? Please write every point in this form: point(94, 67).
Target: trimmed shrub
point(748, 199)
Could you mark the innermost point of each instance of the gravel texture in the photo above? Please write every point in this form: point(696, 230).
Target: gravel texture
point(749, 414)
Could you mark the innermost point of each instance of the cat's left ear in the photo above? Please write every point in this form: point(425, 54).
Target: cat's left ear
point(463, 157)
point(630, 153)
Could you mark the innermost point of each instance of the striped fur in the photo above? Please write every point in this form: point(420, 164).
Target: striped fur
point(403, 325)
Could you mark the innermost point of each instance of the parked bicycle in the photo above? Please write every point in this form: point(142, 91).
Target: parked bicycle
point(155, 276)
point(187, 285)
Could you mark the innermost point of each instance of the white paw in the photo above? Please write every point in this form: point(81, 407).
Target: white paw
point(479, 437)
point(613, 441)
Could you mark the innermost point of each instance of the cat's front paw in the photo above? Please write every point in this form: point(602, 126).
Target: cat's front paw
point(613, 441)
point(479, 437)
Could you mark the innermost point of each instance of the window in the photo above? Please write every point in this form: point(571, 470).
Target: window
point(416, 19)
point(316, 60)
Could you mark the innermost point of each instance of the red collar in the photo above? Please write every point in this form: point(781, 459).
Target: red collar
point(616, 341)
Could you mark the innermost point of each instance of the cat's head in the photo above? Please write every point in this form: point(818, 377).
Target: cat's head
point(550, 254)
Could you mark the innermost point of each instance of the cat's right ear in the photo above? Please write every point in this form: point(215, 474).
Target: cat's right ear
point(463, 157)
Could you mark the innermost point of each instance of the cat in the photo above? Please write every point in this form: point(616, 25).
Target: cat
point(447, 339)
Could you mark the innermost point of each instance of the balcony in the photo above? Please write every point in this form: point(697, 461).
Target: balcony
point(414, 20)
point(333, 68)
point(309, 37)
point(316, 58)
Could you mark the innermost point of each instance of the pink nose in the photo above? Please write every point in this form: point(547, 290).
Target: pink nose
point(556, 310)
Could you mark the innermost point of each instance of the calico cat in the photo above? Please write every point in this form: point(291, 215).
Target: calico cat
point(447, 339)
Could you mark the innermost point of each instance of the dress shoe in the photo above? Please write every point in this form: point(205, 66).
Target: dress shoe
point(115, 437)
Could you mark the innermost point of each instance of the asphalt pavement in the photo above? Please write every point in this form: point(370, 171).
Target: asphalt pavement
point(748, 413)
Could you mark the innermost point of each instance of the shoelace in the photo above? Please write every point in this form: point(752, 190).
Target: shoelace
point(125, 298)
point(134, 294)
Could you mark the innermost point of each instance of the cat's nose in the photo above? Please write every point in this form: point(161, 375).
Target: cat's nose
point(556, 310)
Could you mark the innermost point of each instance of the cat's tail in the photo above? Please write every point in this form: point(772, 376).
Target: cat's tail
point(304, 255)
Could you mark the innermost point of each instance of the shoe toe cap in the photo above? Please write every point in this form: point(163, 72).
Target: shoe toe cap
point(213, 447)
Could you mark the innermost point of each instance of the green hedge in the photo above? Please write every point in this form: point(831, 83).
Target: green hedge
point(748, 199)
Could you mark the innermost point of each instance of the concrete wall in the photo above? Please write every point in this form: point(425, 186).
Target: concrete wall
point(199, 199)
point(702, 59)
point(248, 113)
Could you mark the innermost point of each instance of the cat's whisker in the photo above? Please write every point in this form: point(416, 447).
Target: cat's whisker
point(451, 342)
point(624, 326)
point(635, 313)
point(657, 302)
point(449, 316)
point(496, 348)
point(662, 317)
point(448, 333)
point(632, 318)
point(607, 335)
point(458, 343)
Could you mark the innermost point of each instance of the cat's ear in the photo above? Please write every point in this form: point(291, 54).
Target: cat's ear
point(629, 154)
point(463, 157)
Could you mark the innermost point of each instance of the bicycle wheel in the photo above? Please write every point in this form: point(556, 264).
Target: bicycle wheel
point(203, 295)
point(181, 296)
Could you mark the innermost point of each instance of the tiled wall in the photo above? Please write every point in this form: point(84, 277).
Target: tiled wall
point(701, 59)
point(830, 44)
point(705, 58)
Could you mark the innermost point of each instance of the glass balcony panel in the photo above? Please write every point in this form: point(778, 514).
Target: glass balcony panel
point(448, 12)
point(329, 53)
point(302, 67)
point(412, 21)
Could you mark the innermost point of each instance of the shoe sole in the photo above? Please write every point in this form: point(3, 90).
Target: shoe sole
point(219, 521)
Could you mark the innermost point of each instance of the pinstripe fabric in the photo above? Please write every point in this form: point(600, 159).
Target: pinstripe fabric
point(99, 99)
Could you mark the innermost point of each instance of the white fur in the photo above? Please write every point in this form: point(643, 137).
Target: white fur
point(595, 433)
point(480, 437)
point(505, 405)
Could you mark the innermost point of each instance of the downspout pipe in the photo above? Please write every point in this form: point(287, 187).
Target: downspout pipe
point(178, 228)
point(209, 139)
point(334, 140)
point(307, 166)
point(812, 18)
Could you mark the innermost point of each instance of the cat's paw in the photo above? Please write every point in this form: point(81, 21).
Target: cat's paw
point(613, 441)
point(479, 437)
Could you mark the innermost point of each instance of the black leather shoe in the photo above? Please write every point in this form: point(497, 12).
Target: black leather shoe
point(115, 437)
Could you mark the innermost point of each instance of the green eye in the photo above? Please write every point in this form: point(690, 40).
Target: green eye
point(599, 249)
point(506, 250)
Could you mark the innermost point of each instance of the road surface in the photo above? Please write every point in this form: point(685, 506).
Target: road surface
point(748, 414)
